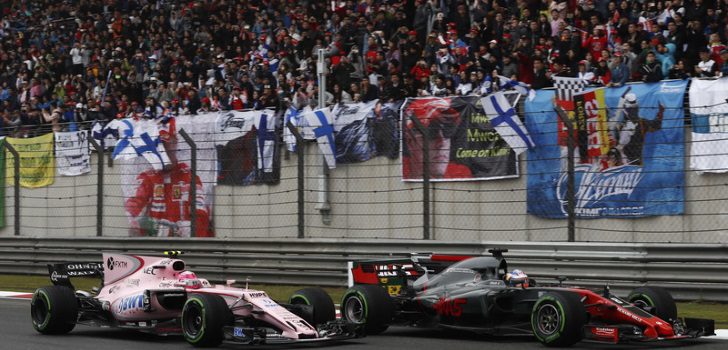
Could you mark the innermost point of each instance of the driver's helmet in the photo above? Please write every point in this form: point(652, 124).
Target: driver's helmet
point(187, 275)
point(630, 100)
point(517, 278)
point(189, 280)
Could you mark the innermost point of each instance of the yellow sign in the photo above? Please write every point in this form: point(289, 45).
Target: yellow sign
point(394, 290)
point(37, 162)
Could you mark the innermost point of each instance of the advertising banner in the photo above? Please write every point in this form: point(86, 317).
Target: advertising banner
point(633, 167)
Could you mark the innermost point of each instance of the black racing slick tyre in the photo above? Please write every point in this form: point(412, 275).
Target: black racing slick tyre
point(655, 300)
point(323, 307)
point(54, 310)
point(558, 319)
point(369, 305)
point(203, 319)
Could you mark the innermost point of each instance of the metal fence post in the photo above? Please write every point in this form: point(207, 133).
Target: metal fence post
point(99, 188)
point(16, 185)
point(299, 155)
point(193, 182)
point(570, 189)
point(425, 177)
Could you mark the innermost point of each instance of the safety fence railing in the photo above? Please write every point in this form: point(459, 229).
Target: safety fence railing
point(689, 271)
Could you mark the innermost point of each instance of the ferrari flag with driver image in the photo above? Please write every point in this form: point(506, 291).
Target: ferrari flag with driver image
point(629, 160)
point(463, 145)
point(73, 156)
point(709, 113)
point(159, 202)
point(37, 163)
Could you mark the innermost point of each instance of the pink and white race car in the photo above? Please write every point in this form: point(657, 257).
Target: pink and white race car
point(158, 295)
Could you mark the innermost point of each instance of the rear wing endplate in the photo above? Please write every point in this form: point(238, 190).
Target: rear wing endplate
point(60, 273)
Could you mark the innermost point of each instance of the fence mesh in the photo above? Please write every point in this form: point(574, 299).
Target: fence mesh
point(366, 199)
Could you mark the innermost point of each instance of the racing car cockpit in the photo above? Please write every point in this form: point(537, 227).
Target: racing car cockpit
point(472, 270)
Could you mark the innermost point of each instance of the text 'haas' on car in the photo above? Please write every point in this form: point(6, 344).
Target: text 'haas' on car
point(158, 295)
point(479, 294)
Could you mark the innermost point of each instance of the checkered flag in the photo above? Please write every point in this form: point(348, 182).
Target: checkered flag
point(566, 88)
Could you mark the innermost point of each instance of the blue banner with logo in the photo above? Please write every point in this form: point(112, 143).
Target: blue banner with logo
point(640, 175)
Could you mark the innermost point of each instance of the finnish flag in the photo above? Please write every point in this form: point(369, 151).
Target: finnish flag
point(266, 135)
point(140, 138)
point(505, 121)
point(320, 125)
point(294, 117)
point(524, 89)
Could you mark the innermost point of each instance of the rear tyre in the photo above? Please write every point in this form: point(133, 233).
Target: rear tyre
point(558, 319)
point(203, 319)
point(369, 305)
point(54, 310)
point(654, 300)
point(323, 307)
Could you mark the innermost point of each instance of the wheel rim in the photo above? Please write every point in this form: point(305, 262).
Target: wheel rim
point(548, 319)
point(354, 310)
point(39, 310)
point(192, 322)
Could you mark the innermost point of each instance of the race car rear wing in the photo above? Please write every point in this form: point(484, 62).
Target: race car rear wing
point(396, 270)
point(60, 273)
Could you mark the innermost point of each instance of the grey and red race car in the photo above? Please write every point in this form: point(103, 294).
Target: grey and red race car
point(478, 294)
point(158, 295)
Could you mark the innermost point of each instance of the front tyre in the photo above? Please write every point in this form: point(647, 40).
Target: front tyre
point(558, 319)
point(323, 307)
point(203, 319)
point(654, 300)
point(369, 305)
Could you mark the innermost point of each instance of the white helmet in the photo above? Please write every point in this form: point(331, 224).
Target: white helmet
point(630, 100)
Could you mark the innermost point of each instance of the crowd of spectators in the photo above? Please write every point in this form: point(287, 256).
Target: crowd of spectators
point(67, 62)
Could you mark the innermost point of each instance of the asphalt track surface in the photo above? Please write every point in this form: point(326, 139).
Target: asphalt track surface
point(17, 333)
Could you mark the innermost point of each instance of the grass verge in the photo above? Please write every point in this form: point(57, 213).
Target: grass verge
point(23, 283)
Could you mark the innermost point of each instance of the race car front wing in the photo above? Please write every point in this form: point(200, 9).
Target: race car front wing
point(330, 331)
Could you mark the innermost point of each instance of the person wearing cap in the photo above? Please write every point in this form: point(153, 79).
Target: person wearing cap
point(723, 71)
point(628, 129)
point(583, 71)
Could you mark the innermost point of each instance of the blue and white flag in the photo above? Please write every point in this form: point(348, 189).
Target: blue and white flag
point(292, 115)
point(105, 134)
point(505, 83)
point(266, 127)
point(504, 120)
point(320, 124)
point(140, 138)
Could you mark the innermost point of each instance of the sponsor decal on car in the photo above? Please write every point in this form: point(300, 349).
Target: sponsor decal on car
point(132, 303)
point(111, 263)
point(55, 276)
point(450, 307)
point(150, 271)
point(258, 295)
point(238, 332)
